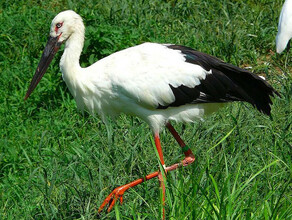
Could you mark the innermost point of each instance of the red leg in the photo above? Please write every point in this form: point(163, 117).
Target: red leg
point(161, 176)
point(189, 156)
point(119, 191)
point(159, 149)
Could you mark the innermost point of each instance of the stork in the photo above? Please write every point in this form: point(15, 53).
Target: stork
point(158, 83)
point(284, 27)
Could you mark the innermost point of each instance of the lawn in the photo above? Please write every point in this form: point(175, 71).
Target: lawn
point(57, 163)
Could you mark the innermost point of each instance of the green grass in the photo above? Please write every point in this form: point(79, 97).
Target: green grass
point(56, 163)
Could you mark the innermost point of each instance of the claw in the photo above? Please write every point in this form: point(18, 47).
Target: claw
point(188, 160)
point(111, 199)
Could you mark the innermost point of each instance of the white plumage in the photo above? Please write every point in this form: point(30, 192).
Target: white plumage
point(156, 82)
point(284, 27)
point(135, 81)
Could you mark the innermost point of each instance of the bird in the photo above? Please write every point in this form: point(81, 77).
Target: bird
point(159, 83)
point(284, 27)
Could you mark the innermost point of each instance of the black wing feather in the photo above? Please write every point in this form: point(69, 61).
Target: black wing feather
point(226, 83)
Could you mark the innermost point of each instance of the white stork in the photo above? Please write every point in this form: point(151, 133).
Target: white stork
point(158, 83)
point(284, 27)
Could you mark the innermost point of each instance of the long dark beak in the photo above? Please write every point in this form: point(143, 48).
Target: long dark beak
point(50, 50)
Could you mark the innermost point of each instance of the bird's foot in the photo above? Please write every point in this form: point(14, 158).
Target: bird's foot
point(185, 162)
point(118, 192)
point(188, 160)
point(111, 199)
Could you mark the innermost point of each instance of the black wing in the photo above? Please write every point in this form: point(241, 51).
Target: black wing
point(226, 83)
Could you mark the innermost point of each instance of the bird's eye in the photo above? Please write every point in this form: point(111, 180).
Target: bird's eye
point(58, 25)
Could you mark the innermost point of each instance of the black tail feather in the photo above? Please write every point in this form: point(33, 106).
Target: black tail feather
point(258, 91)
point(228, 82)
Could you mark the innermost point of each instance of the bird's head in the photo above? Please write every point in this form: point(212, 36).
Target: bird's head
point(63, 26)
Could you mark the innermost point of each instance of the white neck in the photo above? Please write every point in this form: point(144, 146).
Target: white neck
point(71, 55)
point(69, 63)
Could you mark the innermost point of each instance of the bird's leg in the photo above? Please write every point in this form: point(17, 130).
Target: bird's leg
point(161, 176)
point(159, 149)
point(118, 192)
point(189, 156)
